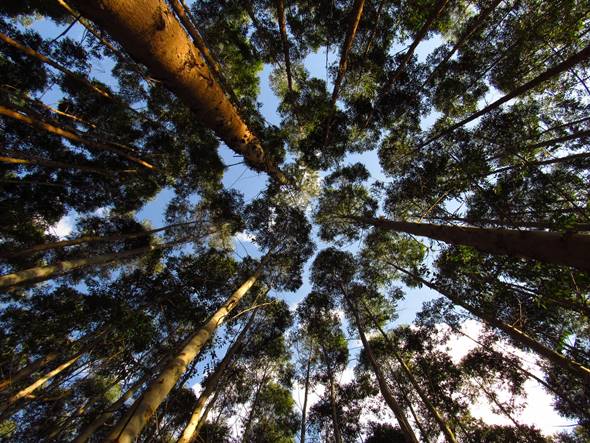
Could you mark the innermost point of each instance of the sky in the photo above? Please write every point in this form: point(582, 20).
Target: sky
point(539, 411)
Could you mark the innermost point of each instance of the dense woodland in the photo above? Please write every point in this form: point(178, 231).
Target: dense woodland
point(105, 332)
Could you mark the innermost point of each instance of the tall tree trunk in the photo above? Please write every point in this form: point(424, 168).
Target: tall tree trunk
point(568, 249)
point(43, 273)
point(357, 13)
point(385, 392)
point(305, 394)
point(285, 41)
point(483, 15)
point(109, 412)
point(38, 161)
point(440, 5)
point(205, 413)
point(515, 224)
point(74, 136)
point(517, 335)
point(89, 239)
point(130, 426)
point(187, 20)
point(335, 421)
point(28, 391)
point(212, 383)
point(28, 370)
point(572, 61)
point(254, 405)
point(32, 53)
point(551, 161)
point(442, 424)
point(150, 33)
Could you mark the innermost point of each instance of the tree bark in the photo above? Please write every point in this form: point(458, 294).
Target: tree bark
point(88, 239)
point(212, 383)
point(567, 249)
point(28, 370)
point(357, 9)
point(187, 20)
point(150, 33)
point(130, 426)
point(102, 418)
point(514, 333)
point(389, 399)
point(38, 161)
point(73, 136)
point(572, 61)
point(304, 411)
point(254, 404)
point(285, 41)
point(42, 273)
point(335, 421)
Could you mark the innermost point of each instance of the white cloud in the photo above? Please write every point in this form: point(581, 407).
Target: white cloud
point(62, 228)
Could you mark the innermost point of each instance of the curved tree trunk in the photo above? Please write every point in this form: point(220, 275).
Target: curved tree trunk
point(131, 425)
point(389, 399)
point(212, 383)
point(567, 249)
point(150, 33)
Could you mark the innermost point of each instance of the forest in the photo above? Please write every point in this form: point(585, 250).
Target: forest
point(275, 221)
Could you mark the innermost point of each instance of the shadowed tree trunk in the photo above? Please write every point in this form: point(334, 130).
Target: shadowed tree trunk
point(305, 395)
point(444, 427)
point(150, 33)
point(517, 335)
point(88, 239)
point(28, 370)
point(131, 425)
point(560, 248)
point(570, 62)
point(335, 421)
point(42, 273)
point(285, 41)
point(385, 392)
point(74, 136)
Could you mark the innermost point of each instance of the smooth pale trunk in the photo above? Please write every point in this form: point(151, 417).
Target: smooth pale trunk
point(517, 335)
point(41, 381)
point(389, 399)
point(212, 383)
point(42, 273)
point(561, 248)
point(130, 426)
point(28, 370)
point(151, 34)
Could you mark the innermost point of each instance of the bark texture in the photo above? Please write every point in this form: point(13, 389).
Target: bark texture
point(150, 33)
point(130, 426)
point(568, 249)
